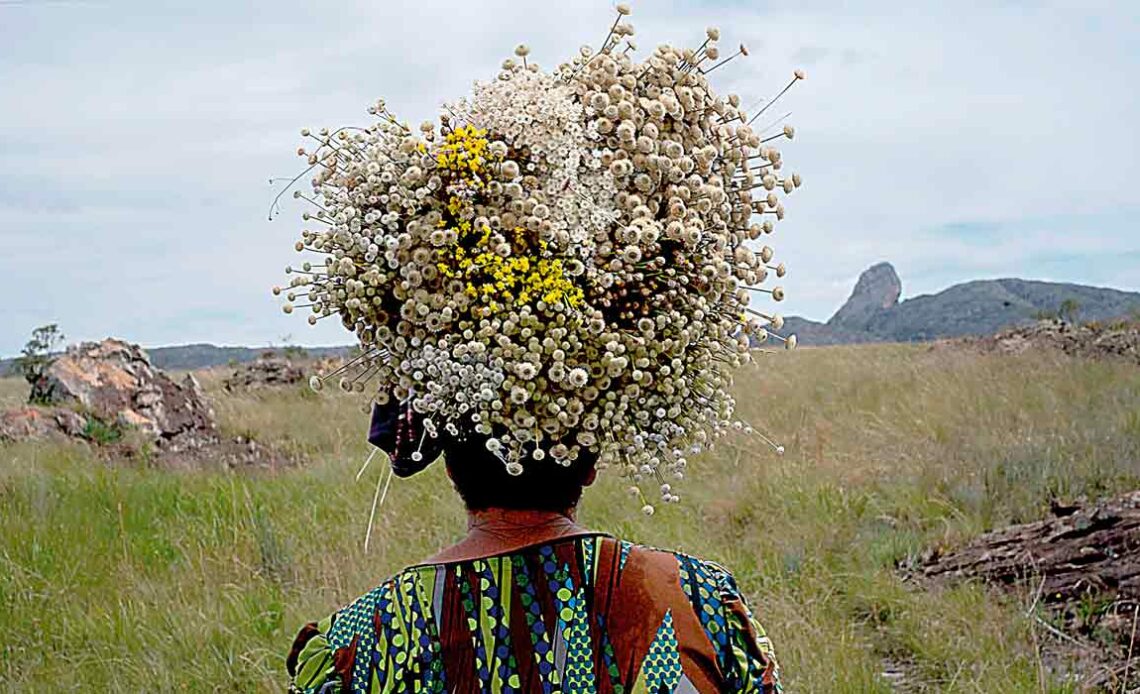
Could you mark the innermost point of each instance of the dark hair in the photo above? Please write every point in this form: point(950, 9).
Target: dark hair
point(482, 480)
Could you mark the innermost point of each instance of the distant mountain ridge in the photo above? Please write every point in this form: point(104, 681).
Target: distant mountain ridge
point(204, 355)
point(873, 313)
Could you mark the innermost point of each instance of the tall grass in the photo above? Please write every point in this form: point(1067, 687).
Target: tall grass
point(121, 578)
point(13, 392)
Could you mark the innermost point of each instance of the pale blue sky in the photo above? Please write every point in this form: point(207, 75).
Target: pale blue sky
point(956, 140)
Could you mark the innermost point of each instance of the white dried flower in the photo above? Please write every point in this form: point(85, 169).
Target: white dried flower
point(578, 377)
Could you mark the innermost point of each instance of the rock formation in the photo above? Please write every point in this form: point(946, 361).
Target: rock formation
point(1087, 554)
point(268, 370)
point(1084, 548)
point(114, 382)
point(877, 290)
point(1118, 340)
point(874, 313)
point(38, 423)
point(99, 391)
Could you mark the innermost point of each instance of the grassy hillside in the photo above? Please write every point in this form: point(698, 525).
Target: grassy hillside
point(117, 578)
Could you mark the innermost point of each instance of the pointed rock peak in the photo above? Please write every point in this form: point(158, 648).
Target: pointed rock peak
point(878, 289)
point(879, 283)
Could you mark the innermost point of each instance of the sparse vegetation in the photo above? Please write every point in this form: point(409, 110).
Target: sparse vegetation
point(37, 356)
point(100, 432)
point(1068, 311)
point(290, 350)
point(124, 578)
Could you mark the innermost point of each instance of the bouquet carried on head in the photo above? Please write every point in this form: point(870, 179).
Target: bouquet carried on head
point(562, 263)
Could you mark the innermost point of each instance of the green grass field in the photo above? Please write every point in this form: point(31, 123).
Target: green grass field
point(123, 578)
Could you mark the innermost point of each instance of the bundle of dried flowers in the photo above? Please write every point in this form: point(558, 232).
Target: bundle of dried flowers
point(562, 262)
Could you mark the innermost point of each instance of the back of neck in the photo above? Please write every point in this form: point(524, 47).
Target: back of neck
point(499, 531)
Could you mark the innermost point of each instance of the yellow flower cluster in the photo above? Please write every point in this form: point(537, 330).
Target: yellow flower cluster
point(515, 279)
point(464, 150)
point(519, 278)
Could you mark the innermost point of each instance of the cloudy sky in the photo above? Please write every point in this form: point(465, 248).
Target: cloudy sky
point(957, 141)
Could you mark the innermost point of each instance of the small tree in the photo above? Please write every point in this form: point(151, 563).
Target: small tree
point(1070, 310)
point(290, 350)
point(37, 356)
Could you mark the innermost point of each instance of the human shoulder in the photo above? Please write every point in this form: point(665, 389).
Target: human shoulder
point(693, 571)
point(323, 653)
point(356, 617)
point(710, 587)
point(708, 574)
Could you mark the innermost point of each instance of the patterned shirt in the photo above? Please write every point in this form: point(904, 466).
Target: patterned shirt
point(583, 614)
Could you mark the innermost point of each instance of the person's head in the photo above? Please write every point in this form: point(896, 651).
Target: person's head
point(480, 476)
point(484, 483)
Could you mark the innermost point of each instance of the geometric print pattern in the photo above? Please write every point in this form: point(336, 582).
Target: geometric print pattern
point(703, 585)
point(539, 620)
point(661, 669)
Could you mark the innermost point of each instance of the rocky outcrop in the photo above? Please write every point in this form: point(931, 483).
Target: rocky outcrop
point(1119, 340)
point(877, 290)
point(1086, 554)
point(268, 370)
point(99, 392)
point(31, 423)
point(1085, 548)
point(114, 382)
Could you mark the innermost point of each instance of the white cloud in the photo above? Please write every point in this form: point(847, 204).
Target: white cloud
point(136, 139)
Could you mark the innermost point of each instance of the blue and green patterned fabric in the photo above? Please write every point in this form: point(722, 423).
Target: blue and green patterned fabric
point(583, 614)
